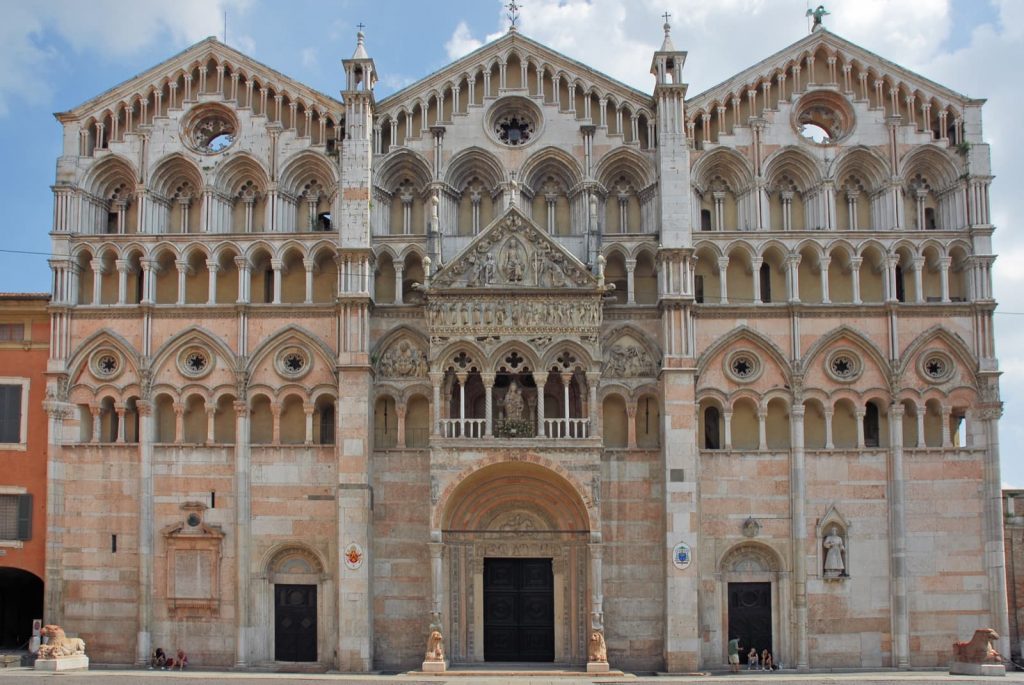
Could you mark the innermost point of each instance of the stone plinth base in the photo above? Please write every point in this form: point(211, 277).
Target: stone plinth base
point(962, 668)
point(65, 663)
point(435, 666)
point(597, 667)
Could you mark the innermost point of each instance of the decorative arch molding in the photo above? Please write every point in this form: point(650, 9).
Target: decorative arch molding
point(392, 361)
point(238, 169)
point(797, 162)
point(550, 358)
point(530, 465)
point(475, 161)
point(497, 356)
point(553, 161)
point(169, 169)
point(855, 337)
point(734, 168)
point(289, 334)
point(933, 163)
point(863, 162)
point(629, 161)
point(754, 337)
point(938, 333)
point(105, 174)
point(648, 347)
point(192, 334)
point(298, 168)
point(80, 359)
point(282, 552)
point(400, 164)
point(751, 557)
point(440, 359)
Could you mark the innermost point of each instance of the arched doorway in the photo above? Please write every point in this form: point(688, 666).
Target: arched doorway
point(518, 542)
point(754, 600)
point(21, 601)
point(296, 606)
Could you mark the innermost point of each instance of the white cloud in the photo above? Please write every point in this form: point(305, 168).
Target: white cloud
point(462, 42)
point(309, 58)
point(110, 28)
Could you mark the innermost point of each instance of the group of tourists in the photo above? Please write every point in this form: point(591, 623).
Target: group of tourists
point(755, 661)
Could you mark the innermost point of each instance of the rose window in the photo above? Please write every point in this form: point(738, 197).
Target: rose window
point(107, 364)
point(514, 129)
point(842, 367)
point(742, 366)
point(210, 129)
point(936, 367)
point(196, 362)
point(294, 362)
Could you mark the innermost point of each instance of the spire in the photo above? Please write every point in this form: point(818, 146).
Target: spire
point(360, 52)
point(667, 45)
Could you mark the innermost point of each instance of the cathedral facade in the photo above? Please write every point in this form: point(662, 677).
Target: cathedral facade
point(520, 354)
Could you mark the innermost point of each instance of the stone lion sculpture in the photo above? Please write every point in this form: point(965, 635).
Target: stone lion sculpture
point(59, 644)
point(597, 652)
point(435, 647)
point(979, 649)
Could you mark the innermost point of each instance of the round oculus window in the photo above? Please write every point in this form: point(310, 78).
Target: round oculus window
point(743, 366)
point(936, 367)
point(514, 121)
point(843, 366)
point(195, 362)
point(106, 364)
point(823, 117)
point(293, 362)
point(210, 129)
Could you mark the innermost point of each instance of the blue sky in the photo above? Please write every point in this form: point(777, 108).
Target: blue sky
point(57, 54)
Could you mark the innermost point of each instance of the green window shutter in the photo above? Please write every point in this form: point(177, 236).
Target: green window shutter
point(10, 414)
point(25, 517)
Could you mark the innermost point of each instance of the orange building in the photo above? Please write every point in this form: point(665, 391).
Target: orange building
point(24, 349)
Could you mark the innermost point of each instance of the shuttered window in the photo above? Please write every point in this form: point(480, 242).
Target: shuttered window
point(10, 413)
point(15, 517)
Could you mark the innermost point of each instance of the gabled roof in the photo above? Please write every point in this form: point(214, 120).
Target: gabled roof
point(781, 60)
point(201, 52)
point(541, 262)
point(513, 41)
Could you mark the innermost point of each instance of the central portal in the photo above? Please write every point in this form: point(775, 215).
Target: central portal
point(519, 617)
point(750, 616)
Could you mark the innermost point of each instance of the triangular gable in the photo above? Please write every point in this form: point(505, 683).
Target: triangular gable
point(525, 47)
point(202, 52)
point(781, 60)
point(513, 252)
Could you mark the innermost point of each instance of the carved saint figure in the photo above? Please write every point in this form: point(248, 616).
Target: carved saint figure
point(513, 265)
point(514, 404)
point(835, 566)
point(488, 268)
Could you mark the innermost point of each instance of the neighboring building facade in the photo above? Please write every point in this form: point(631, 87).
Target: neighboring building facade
point(24, 350)
point(327, 373)
point(1013, 522)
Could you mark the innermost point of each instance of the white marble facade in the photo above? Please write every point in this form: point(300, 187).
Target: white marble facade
point(332, 356)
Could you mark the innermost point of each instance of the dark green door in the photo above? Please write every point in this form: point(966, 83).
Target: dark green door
point(519, 617)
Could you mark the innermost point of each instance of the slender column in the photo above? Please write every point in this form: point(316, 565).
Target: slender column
point(308, 408)
point(630, 288)
point(243, 525)
point(94, 409)
point(211, 292)
point(723, 266)
point(596, 585)
point(823, 272)
point(242, 264)
point(855, 263)
point(995, 556)
point(798, 497)
point(97, 280)
point(436, 548)
point(211, 424)
point(918, 266)
point(179, 423)
point(488, 380)
point(148, 266)
point(944, 263)
point(860, 429)
point(275, 412)
point(436, 377)
point(310, 264)
point(921, 410)
point(399, 274)
point(566, 380)
point(727, 422)
point(540, 379)
point(944, 417)
point(829, 444)
point(146, 530)
point(898, 542)
point(461, 377)
point(277, 265)
point(593, 379)
point(762, 430)
point(120, 410)
point(400, 411)
point(182, 267)
point(631, 426)
point(122, 280)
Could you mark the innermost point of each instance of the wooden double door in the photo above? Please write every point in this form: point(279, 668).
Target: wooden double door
point(519, 616)
point(750, 616)
point(295, 622)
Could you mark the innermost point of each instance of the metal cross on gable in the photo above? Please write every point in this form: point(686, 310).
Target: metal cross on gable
point(513, 14)
point(360, 26)
point(666, 17)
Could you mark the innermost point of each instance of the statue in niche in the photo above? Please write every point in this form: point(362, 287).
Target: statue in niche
point(835, 565)
point(514, 403)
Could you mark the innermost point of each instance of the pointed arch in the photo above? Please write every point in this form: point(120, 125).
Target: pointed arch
point(304, 166)
point(936, 333)
point(106, 175)
point(104, 337)
point(475, 162)
point(403, 163)
point(285, 335)
point(752, 336)
point(625, 160)
point(856, 337)
point(194, 333)
point(551, 161)
point(729, 164)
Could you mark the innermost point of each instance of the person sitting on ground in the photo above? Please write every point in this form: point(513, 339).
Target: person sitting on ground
point(159, 659)
point(182, 660)
point(752, 659)
point(766, 660)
